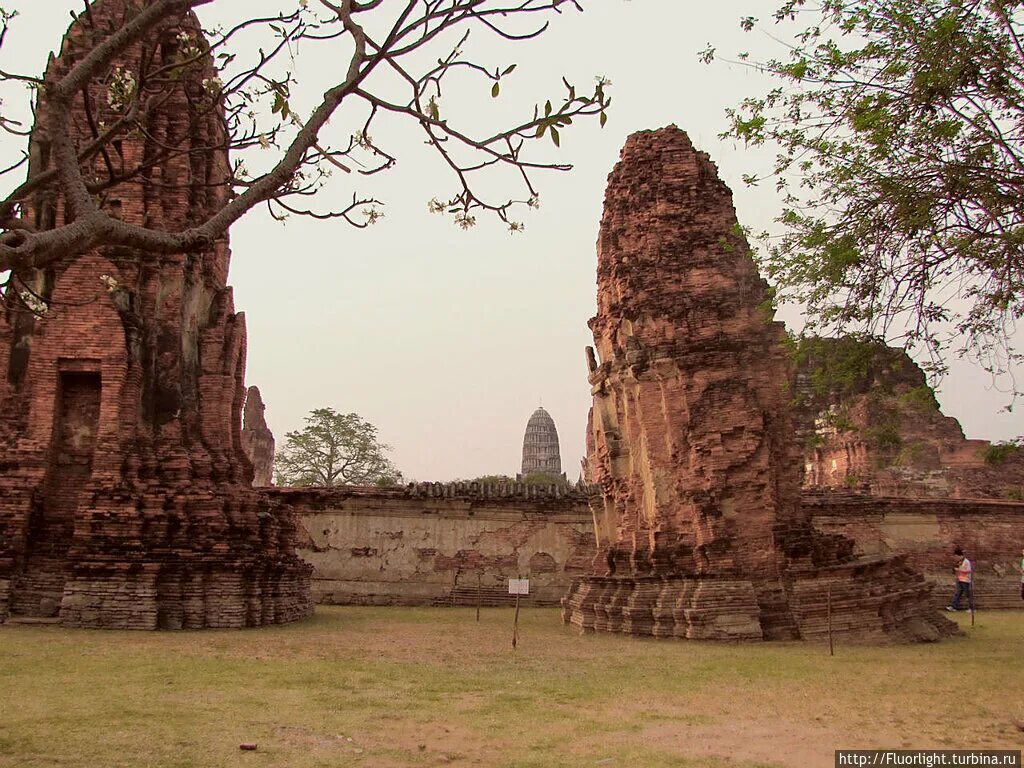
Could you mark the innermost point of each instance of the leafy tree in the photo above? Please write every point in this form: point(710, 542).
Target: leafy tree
point(545, 478)
point(899, 125)
point(393, 59)
point(997, 453)
point(534, 478)
point(334, 449)
point(490, 479)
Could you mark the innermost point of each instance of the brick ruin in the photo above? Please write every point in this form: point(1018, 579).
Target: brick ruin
point(125, 496)
point(257, 439)
point(926, 530)
point(869, 422)
point(700, 528)
point(427, 543)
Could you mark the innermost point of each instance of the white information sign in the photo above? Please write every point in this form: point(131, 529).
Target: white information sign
point(519, 586)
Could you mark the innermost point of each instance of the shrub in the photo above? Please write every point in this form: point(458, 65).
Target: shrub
point(996, 453)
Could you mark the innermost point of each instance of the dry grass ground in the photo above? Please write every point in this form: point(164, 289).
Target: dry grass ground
point(387, 688)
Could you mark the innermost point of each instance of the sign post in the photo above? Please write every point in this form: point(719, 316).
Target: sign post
point(828, 611)
point(517, 587)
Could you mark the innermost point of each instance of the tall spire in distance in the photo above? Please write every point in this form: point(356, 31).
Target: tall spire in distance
point(540, 445)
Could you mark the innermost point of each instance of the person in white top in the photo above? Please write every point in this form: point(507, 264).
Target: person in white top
point(964, 579)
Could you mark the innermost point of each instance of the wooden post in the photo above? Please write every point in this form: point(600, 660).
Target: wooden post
point(515, 624)
point(479, 597)
point(828, 611)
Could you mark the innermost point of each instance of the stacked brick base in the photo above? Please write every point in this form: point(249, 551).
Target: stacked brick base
point(871, 600)
point(199, 599)
point(226, 559)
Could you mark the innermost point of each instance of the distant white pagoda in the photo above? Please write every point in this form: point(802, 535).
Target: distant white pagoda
point(540, 445)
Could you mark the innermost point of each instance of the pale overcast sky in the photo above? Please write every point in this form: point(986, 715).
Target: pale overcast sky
point(448, 340)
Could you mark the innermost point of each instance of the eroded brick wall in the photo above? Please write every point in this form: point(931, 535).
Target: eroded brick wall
point(439, 544)
point(990, 532)
point(869, 423)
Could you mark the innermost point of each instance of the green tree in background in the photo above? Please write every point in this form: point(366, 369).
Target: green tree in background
point(899, 125)
point(490, 479)
point(334, 449)
point(545, 478)
point(534, 478)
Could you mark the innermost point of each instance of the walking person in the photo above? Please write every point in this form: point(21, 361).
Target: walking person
point(964, 577)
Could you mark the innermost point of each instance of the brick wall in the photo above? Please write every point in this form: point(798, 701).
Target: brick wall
point(429, 543)
point(409, 546)
point(990, 532)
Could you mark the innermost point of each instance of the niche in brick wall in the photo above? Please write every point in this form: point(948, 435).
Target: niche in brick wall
point(39, 587)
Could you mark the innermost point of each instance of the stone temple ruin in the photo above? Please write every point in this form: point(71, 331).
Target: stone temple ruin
point(126, 473)
point(125, 496)
point(257, 439)
point(869, 422)
point(701, 530)
point(540, 445)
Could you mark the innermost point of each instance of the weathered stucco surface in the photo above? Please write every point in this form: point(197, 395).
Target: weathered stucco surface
point(428, 544)
point(401, 546)
point(925, 531)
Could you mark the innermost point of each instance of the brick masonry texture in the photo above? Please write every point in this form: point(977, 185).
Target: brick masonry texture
point(441, 544)
point(125, 496)
point(426, 544)
point(876, 427)
point(257, 439)
point(926, 531)
point(700, 528)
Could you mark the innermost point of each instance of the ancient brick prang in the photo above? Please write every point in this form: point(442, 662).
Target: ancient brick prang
point(125, 496)
point(257, 439)
point(869, 421)
point(700, 528)
point(541, 452)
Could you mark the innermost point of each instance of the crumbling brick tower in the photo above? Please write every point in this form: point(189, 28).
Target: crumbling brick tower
point(700, 528)
point(124, 491)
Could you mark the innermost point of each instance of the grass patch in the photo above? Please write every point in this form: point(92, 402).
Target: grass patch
point(387, 687)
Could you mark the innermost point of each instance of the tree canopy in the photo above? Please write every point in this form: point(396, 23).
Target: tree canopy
point(334, 449)
point(394, 61)
point(534, 478)
point(899, 126)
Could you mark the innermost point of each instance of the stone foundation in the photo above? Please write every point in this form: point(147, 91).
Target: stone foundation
point(198, 600)
point(871, 600)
